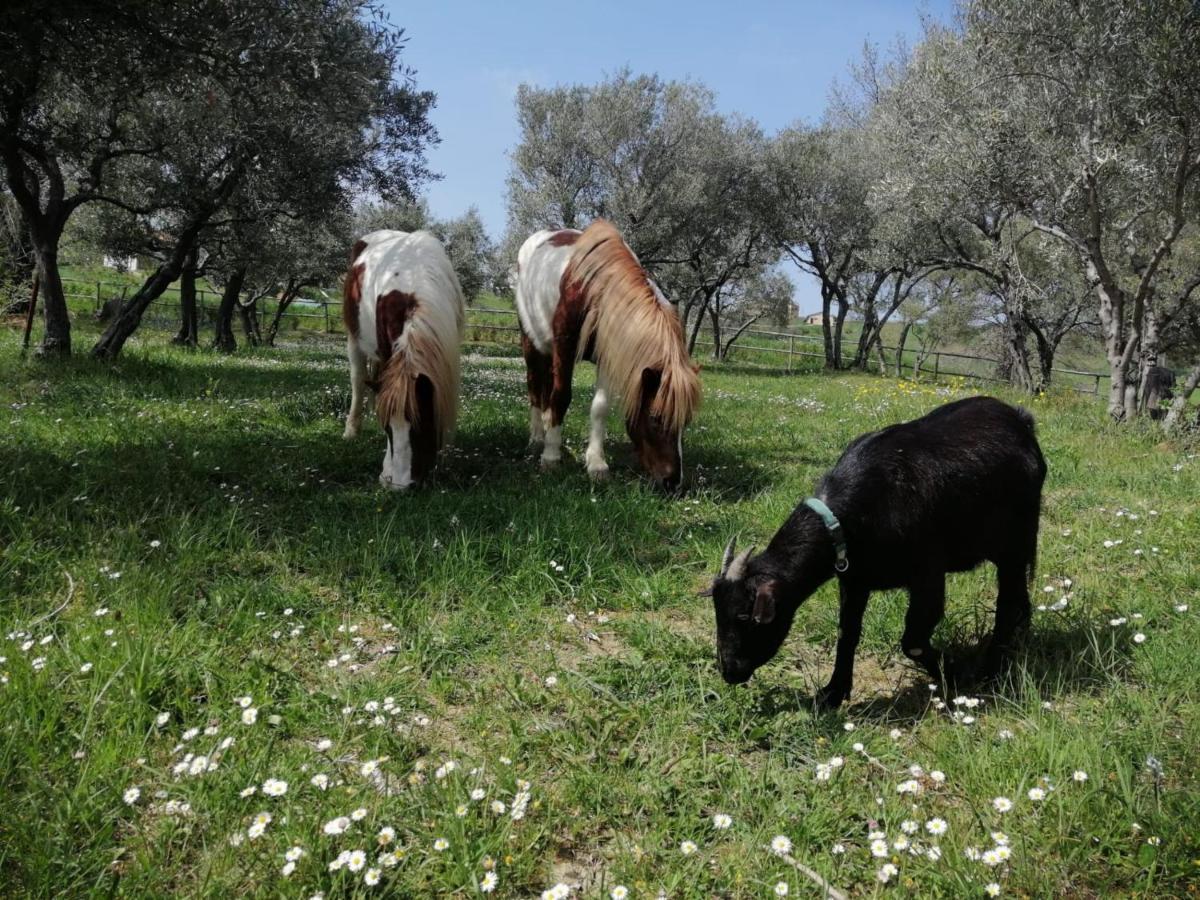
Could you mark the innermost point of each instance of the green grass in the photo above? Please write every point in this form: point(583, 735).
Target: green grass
point(253, 548)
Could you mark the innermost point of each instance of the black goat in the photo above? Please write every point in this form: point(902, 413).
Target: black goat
point(910, 503)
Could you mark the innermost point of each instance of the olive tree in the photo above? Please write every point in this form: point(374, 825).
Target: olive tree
point(1102, 152)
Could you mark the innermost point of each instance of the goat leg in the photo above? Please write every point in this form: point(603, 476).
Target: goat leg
point(853, 605)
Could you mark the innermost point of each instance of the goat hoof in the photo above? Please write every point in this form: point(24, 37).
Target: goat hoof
point(548, 464)
point(350, 433)
point(831, 697)
point(598, 473)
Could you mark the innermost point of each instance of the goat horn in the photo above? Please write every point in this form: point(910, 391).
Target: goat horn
point(737, 568)
point(728, 557)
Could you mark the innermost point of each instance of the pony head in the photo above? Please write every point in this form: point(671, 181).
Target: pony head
point(656, 425)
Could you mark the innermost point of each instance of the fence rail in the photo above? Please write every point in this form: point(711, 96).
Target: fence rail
point(325, 316)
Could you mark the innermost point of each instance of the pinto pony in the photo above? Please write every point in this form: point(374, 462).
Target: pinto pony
point(404, 315)
point(584, 295)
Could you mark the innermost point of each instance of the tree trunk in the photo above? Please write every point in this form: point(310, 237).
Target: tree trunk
point(1046, 349)
point(843, 309)
point(1179, 406)
point(285, 300)
point(1014, 365)
point(249, 316)
point(224, 339)
point(826, 326)
point(126, 322)
point(866, 337)
point(56, 341)
point(737, 334)
point(714, 315)
point(699, 320)
point(45, 227)
point(1148, 359)
point(189, 325)
point(30, 312)
point(903, 339)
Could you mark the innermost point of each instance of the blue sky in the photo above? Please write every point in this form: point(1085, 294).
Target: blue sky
point(770, 61)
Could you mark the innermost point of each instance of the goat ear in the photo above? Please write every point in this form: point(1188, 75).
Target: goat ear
point(764, 602)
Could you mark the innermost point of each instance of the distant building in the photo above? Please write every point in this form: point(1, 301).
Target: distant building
point(120, 263)
point(812, 319)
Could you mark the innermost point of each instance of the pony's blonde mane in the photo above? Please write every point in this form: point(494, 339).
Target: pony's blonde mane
point(419, 355)
point(429, 346)
point(632, 328)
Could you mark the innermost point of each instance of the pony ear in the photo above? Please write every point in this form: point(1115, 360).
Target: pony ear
point(764, 602)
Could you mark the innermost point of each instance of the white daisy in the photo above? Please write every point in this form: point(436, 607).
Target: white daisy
point(274, 787)
point(337, 826)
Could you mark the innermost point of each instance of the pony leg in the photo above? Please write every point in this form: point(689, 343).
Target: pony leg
point(539, 381)
point(397, 459)
point(537, 429)
point(560, 400)
point(358, 383)
point(596, 465)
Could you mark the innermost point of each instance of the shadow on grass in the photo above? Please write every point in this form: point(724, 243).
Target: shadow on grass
point(1052, 661)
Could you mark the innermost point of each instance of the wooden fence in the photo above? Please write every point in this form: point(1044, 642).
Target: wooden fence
point(786, 350)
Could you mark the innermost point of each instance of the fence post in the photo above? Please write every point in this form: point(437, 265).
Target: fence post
point(937, 362)
point(325, 306)
point(98, 303)
point(791, 350)
point(1097, 385)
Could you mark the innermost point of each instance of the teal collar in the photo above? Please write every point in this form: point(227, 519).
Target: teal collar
point(834, 527)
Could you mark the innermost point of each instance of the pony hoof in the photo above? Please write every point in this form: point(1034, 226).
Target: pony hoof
point(349, 434)
point(550, 463)
point(598, 473)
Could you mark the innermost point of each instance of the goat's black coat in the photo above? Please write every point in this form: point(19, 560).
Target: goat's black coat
point(916, 500)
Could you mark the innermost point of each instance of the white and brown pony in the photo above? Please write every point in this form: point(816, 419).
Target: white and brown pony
point(584, 295)
point(404, 315)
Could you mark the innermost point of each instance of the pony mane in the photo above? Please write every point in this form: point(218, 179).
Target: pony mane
point(428, 346)
point(632, 328)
